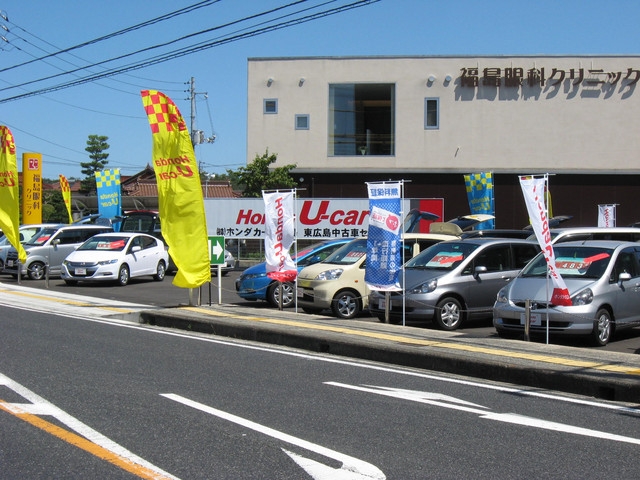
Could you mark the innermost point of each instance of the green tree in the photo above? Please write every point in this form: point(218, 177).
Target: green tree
point(53, 208)
point(258, 176)
point(96, 146)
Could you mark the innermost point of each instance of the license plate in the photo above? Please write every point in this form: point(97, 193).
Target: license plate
point(80, 271)
point(535, 319)
point(299, 292)
point(9, 263)
point(382, 303)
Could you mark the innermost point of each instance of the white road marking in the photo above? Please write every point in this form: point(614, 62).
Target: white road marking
point(351, 469)
point(429, 398)
point(40, 406)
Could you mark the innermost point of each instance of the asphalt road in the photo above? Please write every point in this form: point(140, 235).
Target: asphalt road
point(87, 399)
point(165, 294)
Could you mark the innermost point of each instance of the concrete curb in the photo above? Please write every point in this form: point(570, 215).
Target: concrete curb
point(589, 372)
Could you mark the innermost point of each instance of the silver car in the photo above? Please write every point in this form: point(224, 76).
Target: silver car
point(603, 279)
point(455, 280)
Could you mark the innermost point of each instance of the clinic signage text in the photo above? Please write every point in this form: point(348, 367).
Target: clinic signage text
point(551, 77)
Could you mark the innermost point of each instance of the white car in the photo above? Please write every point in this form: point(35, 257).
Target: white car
point(116, 257)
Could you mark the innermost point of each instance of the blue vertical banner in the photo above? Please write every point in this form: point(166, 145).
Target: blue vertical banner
point(108, 187)
point(384, 243)
point(480, 194)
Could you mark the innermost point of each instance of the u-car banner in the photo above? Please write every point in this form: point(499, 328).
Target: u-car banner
point(533, 190)
point(384, 244)
point(108, 187)
point(9, 196)
point(279, 225)
point(180, 198)
point(480, 195)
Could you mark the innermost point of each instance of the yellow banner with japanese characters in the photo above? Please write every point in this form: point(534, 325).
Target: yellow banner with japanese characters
point(9, 192)
point(180, 199)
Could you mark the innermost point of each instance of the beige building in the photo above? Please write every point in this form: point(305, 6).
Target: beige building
point(428, 120)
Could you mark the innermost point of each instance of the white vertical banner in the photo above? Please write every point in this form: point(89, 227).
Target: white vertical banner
point(279, 235)
point(606, 215)
point(533, 190)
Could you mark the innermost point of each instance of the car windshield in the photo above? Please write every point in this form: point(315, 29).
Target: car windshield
point(42, 236)
point(442, 256)
point(111, 243)
point(572, 262)
point(348, 254)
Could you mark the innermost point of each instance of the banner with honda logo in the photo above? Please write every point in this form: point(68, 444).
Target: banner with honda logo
point(384, 244)
point(533, 190)
point(279, 235)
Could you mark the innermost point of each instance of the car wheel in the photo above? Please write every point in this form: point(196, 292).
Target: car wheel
point(449, 314)
point(71, 282)
point(346, 305)
point(311, 311)
point(602, 328)
point(273, 295)
point(123, 275)
point(161, 271)
point(36, 271)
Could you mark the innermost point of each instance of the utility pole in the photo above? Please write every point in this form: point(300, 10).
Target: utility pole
point(197, 136)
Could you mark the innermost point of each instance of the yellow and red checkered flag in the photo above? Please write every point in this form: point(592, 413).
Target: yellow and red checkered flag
point(180, 199)
point(9, 193)
point(66, 195)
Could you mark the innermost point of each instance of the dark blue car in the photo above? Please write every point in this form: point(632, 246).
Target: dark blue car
point(254, 284)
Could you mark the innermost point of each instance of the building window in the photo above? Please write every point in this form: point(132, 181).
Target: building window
point(431, 113)
point(361, 119)
point(270, 105)
point(302, 122)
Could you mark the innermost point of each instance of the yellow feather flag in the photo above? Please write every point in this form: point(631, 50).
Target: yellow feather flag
point(180, 199)
point(9, 192)
point(66, 195)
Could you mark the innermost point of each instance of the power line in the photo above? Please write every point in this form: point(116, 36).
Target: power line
point(187, 50)
point(161, 18)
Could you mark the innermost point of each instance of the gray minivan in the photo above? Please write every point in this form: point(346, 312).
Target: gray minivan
point(49, 247)
point(454, 280)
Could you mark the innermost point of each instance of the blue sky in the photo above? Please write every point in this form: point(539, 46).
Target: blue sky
point(58, 123)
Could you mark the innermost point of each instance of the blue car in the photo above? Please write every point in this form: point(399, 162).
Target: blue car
point(254, 284)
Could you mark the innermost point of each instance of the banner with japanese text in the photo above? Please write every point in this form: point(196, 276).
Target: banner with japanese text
point(606, 215)
point(9, 192)
point(31, 188)
point(480, 195)
point(279, 235)
point(65, 189)
point(533, 190)
point(384, 243)
point(180, 198)
point(109, 192)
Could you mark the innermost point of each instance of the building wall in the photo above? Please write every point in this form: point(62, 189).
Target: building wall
point(577, 121)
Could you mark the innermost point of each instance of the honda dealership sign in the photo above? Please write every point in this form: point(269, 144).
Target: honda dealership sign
point(317, 218)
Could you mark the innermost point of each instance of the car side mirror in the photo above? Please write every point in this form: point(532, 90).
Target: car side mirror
point(479, 269)
point(136, 248)
point(55, 241)
point(623, 277)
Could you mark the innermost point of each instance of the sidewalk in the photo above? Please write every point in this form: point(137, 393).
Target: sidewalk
point(585, 371)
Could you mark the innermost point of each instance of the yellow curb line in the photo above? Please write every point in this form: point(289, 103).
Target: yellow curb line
point(451, 346)
point(66, 301)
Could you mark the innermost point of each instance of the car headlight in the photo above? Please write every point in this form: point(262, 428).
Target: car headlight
point(333, 274)
point(502, 296)
point(427, 287)
point(585, 297)
point(108, 262)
